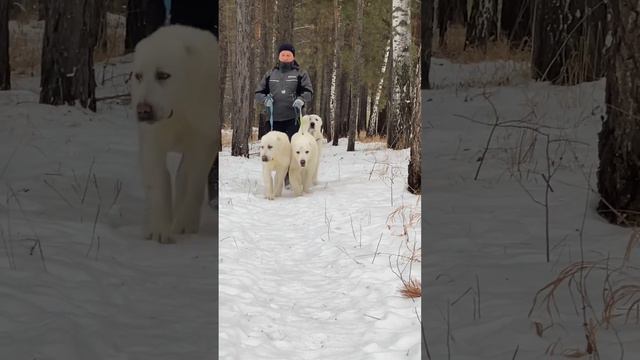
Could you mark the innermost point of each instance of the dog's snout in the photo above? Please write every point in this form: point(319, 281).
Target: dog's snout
point(312, 125)
point(303, 162)
point(265, 158)
point(145, 112)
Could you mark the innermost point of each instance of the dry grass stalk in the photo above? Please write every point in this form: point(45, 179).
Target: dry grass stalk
point(454, 49)
point(408, 221)
point(25, 42)
point(626, 297)
point(567, 275)
point(634, 241)
point(227, 136)
point(363, 138)
point(411, 289)
point(619, 299)
point(113, 41)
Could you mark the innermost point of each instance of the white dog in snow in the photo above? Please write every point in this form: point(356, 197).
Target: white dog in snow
point(313, 125)
point(175, 93)
point(275, 153)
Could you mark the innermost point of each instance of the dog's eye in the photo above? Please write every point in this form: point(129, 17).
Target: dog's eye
point(161, 75)
point(138, 76)
point(297, 152)
point(269, 146)
point(306, 152)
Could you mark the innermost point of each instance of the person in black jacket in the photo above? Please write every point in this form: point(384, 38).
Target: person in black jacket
point(285, 90)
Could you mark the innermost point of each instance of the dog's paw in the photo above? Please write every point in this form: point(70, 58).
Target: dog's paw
point(185, 227)
point(163, 237)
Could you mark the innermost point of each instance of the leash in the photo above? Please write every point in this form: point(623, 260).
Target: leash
point(167, 8)
point(299, 115)
point(270, 107)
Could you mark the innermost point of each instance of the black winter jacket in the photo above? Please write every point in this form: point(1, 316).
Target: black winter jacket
point(285, 84)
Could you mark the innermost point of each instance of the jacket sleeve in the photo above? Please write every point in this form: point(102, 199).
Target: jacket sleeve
point(305, 90)
point(263, 89)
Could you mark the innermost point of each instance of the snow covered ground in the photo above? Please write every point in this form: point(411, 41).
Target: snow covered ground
point(299, 278)
point(78, 281)
point(485, 255)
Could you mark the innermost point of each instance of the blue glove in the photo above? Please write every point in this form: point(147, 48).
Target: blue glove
point(268, 101)
point(298, 103)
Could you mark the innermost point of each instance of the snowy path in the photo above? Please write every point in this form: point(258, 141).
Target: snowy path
point(291, 288)
point(108, 296)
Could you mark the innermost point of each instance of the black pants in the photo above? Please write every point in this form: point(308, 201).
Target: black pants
point(288, 127)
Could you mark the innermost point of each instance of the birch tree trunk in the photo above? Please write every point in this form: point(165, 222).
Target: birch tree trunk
point(619, 144)
point(375, 112)
point(328, 80)
point(243, 94)
point(70, 36)
point(334, 106)
point(483, 24)
point(399, 124)
point(356, 77)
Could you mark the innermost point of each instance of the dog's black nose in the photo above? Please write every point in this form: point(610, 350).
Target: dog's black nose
point(265, 158)
point(312, 125)
point(145, 112)
point(302, 163)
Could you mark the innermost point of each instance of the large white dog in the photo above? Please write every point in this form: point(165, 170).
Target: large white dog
point(175, 94)
point(304, 158)
point(313, 125)
point(275, 153)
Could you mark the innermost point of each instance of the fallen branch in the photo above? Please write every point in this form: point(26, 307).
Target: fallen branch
point(113, 97)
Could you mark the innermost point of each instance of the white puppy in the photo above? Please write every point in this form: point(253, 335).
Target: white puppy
point(275, 153)
point(313, 125)
point(175, 93)
point(304, 158)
